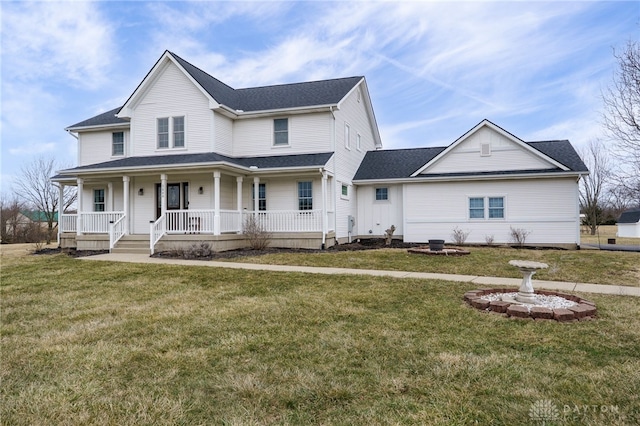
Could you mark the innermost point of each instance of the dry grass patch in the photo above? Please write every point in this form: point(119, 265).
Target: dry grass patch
point(105, 343)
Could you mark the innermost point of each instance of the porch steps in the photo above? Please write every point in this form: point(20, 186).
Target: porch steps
point(138, 244)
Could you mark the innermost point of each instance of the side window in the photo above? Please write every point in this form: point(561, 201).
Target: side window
point(98, 200)
point(382, 194)
point(305, 195)
point(496, 207)
point(476, 208)
point(281, 131)
point(117, 143)
point(347, 136)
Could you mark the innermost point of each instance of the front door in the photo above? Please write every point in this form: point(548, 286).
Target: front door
point(177, 197)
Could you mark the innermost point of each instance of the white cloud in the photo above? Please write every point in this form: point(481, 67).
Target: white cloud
point(68, 42)
point(34, 148)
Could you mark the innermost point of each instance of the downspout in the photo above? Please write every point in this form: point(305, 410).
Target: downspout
point(578, 212)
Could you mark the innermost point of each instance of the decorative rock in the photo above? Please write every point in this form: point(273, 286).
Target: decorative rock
point(518, 311)
point(499, 306)
point(540, 312)
point(563, 315)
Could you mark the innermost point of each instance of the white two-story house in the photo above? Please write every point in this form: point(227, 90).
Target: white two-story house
point(188, 158)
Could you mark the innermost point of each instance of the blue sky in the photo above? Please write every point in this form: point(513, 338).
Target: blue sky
point(434, 69)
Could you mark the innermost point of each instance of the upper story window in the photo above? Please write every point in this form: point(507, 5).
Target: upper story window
point(382, 194)
point(486, 207)
point(171, 132)
point(117, 143)
point(281, 131)
point(98, 200)
point(305, 195)
point(178, 132)
point(347, 136)
point(358, 142)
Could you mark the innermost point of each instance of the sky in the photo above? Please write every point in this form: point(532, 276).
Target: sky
point(434, 69)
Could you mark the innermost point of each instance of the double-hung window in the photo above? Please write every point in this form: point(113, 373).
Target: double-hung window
point(305, 195)
point(171, 132)
point(486, 208)
point(98, 200)
point(117, 143)
point(281, 131)
point(262, 196)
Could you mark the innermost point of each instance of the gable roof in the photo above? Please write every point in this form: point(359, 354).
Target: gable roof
point(251, 99)
point(630, 216)
point(407, 164)
point(206, 159)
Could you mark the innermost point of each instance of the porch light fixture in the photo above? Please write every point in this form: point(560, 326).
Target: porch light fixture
point(201, 190)
point(141, 191)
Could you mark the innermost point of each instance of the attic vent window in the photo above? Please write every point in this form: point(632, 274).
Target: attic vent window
point(485, 149)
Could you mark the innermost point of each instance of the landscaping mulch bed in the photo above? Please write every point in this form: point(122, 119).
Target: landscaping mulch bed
point(70, 252)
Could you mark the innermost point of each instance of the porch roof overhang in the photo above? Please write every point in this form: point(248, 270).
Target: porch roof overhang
point(202, 161)
point(477, 176)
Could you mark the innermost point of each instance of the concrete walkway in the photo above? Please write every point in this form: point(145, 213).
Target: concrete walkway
point(481, 281)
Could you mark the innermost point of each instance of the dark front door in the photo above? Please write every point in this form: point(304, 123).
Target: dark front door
point(177, 197)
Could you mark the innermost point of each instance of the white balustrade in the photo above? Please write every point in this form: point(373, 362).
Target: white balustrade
point(68, 222)
point(289, 220)
point(156, 231)
point(116, 231)
point(98, 222)
point(230, 221)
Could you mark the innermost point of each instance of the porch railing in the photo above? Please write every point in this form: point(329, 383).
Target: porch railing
point(289, 220)
point(116, 231)
point(68, 223)
point(98, 222)
point(189, 221)
point(157, 230)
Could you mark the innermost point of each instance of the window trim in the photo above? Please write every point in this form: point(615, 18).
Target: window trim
point(343, 186)
point(113, 144)
point(262, 200)
point(358, 141)
point(276, 132)
point(158, 133)
point(300, 198)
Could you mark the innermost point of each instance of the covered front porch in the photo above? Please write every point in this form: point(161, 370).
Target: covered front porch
point(177, 209)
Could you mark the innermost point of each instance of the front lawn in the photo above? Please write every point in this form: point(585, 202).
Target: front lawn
point(107, 343)
point(586, 266)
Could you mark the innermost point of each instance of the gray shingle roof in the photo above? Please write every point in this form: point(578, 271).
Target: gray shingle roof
point(630, 216)
point(103, 119)
point(269, 162)
point(402, 163)
point(296, 95)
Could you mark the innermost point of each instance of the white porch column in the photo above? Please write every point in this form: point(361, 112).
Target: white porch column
point(325, 219)
point(256, 194)
point(216, 203)
point(163, 194)
point(125, 192)
point(239, 200)
point(79, 216)
point(60, 209)
point(110, 196)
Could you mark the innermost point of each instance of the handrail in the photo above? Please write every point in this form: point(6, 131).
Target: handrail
point(116, 231)
point(157, 230)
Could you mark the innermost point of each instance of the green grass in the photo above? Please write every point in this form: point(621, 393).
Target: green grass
point(124, 344)
point(587, 266)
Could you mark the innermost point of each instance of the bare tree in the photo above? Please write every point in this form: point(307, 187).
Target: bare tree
point(36, 189)
point(621, 119)
point(10, 207)
point(593, 187)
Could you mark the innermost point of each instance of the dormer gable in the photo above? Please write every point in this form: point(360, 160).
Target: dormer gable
point(488, 148)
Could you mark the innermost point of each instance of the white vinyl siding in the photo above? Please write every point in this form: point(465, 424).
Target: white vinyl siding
point(172, 94)
point(378, 215)
point(544, 207)
point(500, 154)
point(97, 147)
point(223, 138)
